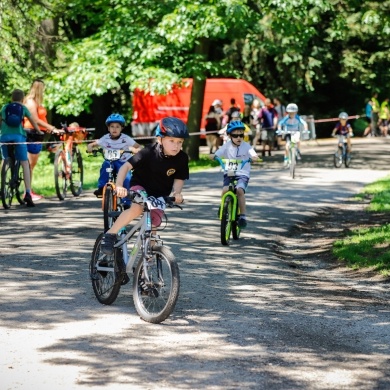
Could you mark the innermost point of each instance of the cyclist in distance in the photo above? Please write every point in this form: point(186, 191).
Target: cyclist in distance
point(160, 169)
point(17, 135)
point(344, 128)
point(236, 148)
point(290, 123)
point(114, 140)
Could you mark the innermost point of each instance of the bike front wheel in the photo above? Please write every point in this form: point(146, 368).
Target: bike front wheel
point(77, 176)
point(60, 179)
point(7, 188)
point(347, 160)
point(108, 207)
point(226, 221)
point(106, 277)
point(338, 158)
point(293, 162)
point(155, 296)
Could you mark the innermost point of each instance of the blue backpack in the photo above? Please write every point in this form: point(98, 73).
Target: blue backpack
point(14, 114)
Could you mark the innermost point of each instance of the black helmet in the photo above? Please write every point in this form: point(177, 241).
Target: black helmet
point(172, 127)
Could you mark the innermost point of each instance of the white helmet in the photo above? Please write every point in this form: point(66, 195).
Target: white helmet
point(235, 114)
point(292, 107)
point(343, 115)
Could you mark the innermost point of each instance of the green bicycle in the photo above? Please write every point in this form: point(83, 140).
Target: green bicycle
point(229, 209)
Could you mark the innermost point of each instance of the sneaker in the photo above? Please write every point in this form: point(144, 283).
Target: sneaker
point(98, 193)
point(107, 244)
point(28, 200)
point(299, 156)
point(285, 163)
point(35, 196)
point(242, 222)
point(125, 280)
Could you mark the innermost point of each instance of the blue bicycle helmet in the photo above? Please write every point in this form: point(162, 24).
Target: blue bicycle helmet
point(115, 118)
point(235, 125)
point(172, 127)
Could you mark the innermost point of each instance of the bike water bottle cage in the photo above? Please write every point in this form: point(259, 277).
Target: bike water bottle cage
point(115, 118)
point(172, 127)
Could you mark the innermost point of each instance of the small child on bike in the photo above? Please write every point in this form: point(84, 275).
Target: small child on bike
point(160, 169)
point(17, 135)
point(292, 122)
point(114, 140)
point(236, 148)
point(344, 128)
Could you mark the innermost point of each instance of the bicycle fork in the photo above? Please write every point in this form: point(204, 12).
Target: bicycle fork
point(235, 206)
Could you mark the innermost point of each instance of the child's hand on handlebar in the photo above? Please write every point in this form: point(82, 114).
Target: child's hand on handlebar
point(178, 198)
point(121, 191)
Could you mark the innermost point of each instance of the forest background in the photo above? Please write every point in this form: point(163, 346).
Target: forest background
point(326, 55)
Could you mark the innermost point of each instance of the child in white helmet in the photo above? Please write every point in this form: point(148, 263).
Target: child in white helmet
point(291, 123)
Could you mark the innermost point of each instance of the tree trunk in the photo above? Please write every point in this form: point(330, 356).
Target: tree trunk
point(196, 105)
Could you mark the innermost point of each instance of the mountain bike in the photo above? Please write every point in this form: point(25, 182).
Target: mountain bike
point(342, 155)
point(156, 279)
point(68, 163)
point(110, 201)
point(229, 209)
point(12, 181)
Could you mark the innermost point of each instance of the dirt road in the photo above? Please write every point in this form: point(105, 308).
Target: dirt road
point(268, 312)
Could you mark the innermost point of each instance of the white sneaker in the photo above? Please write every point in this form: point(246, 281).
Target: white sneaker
point(285, 163)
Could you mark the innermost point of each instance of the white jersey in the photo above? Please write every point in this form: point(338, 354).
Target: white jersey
point(242, 152)
point(124, 142)
point(291, 125)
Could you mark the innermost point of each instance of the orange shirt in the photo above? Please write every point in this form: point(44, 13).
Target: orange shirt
point(42, 112)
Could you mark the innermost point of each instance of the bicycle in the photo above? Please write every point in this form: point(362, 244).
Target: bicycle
point(342, 155)
point(293, 151)
point(156, 279)
point(109, 200)
point(229, 209)
point(68, 163)
point(12, 181)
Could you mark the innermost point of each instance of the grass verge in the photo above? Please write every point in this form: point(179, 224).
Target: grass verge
point(369, 247)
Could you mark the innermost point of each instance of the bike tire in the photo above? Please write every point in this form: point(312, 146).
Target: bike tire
point(156, 300)
point(293, 162)
point(106, 282)
point(60, 180)
point(338, 158)
point(7, 190)
point(20, 188)
point(226, 220)
point(347, 160)
point(77, 176)
point(108, 207)
point(236, 230)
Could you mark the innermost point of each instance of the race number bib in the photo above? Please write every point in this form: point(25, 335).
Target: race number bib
point(231, 166)
point(295, 137)
point(112, 155)
point(156, 203)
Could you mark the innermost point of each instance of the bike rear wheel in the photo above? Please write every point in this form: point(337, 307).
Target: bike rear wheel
point(77, 177)
point(105, 274)
point(155, 299)
point(338, 157)
point(347, 160)
point(108, 207)
point(293, 162)
point(226, 221)
point(7, 187)
point(60, 179)
point(20, 186)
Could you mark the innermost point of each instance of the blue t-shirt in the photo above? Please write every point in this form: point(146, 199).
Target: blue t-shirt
point(267, 116)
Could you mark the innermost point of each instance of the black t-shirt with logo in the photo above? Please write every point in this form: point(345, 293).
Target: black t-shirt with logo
point(155, 172)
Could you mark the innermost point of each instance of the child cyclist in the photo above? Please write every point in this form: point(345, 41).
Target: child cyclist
point(17, 135)
point(114, 140)
point(160, 169)
point(291, 123)
point(236, 148)
point(344, 128)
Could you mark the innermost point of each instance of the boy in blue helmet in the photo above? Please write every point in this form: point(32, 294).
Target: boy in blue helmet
point(114, 140)
point(236, 148)
point(160, 169)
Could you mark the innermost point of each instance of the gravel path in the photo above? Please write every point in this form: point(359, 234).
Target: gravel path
point(271, 311)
